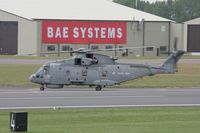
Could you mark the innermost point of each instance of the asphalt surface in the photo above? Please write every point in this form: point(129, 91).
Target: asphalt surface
point(17, 98)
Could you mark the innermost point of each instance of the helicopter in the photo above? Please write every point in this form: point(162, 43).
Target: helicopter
point(87, 67)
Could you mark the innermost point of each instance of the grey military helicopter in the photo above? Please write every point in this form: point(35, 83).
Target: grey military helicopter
point(93, 69)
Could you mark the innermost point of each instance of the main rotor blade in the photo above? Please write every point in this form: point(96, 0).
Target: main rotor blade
point(83, 50)
point(125, 48)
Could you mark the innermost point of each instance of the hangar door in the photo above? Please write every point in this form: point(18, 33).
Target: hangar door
point(193, 38)
point(8, 37)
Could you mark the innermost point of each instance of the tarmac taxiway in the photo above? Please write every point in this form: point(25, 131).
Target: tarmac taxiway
point(28, 98)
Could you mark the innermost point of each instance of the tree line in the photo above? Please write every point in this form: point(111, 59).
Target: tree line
point(177, 10)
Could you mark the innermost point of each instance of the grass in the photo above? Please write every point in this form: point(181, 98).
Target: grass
point(110, 120)
point(16, 75)
point(188, 76)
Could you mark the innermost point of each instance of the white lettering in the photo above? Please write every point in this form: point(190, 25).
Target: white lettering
point(119, 33)
point(76, 33)
point(96, 32)
point(111, 32)
point(65, 32)
point(12, 122)
point(58, 33)
point(90, 33)
point(50, 32)
point(103, 32)
point(83, 32)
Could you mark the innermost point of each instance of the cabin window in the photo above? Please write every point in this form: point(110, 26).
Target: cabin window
point(77, 61)
point(89, 56)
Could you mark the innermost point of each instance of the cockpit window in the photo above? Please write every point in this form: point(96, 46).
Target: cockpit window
point(46, 69)
point(39, 70)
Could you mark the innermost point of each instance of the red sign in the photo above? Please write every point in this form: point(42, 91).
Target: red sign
point(83, 32)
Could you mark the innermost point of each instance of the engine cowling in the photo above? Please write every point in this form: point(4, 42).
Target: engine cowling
point(86, 61)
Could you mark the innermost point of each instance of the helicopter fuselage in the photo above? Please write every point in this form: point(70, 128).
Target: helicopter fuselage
point(90, 69)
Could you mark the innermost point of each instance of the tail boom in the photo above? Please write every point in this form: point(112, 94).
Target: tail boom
point(169, 66)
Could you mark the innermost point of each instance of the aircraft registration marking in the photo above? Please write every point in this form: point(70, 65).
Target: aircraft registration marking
point(120, 73)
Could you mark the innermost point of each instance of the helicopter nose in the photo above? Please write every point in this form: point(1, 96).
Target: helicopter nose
point(32, 77)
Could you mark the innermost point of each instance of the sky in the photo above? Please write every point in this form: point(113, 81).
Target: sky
point(153, 0)
point(148, 0)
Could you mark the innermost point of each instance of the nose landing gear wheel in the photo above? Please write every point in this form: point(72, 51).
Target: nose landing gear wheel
point(98, 88)
point(42, 88)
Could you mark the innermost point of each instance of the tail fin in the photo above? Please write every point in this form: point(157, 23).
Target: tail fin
point(169, 65)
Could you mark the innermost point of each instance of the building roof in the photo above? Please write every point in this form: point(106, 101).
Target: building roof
point(193, 21)
point(75, 10)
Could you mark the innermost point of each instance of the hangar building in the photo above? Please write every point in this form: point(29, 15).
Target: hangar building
point(34, 26)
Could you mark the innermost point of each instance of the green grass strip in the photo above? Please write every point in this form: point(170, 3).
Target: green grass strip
point(110, 120)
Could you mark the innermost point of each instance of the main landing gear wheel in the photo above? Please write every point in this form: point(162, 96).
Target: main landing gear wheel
point(42, 88)
point(98, 88)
